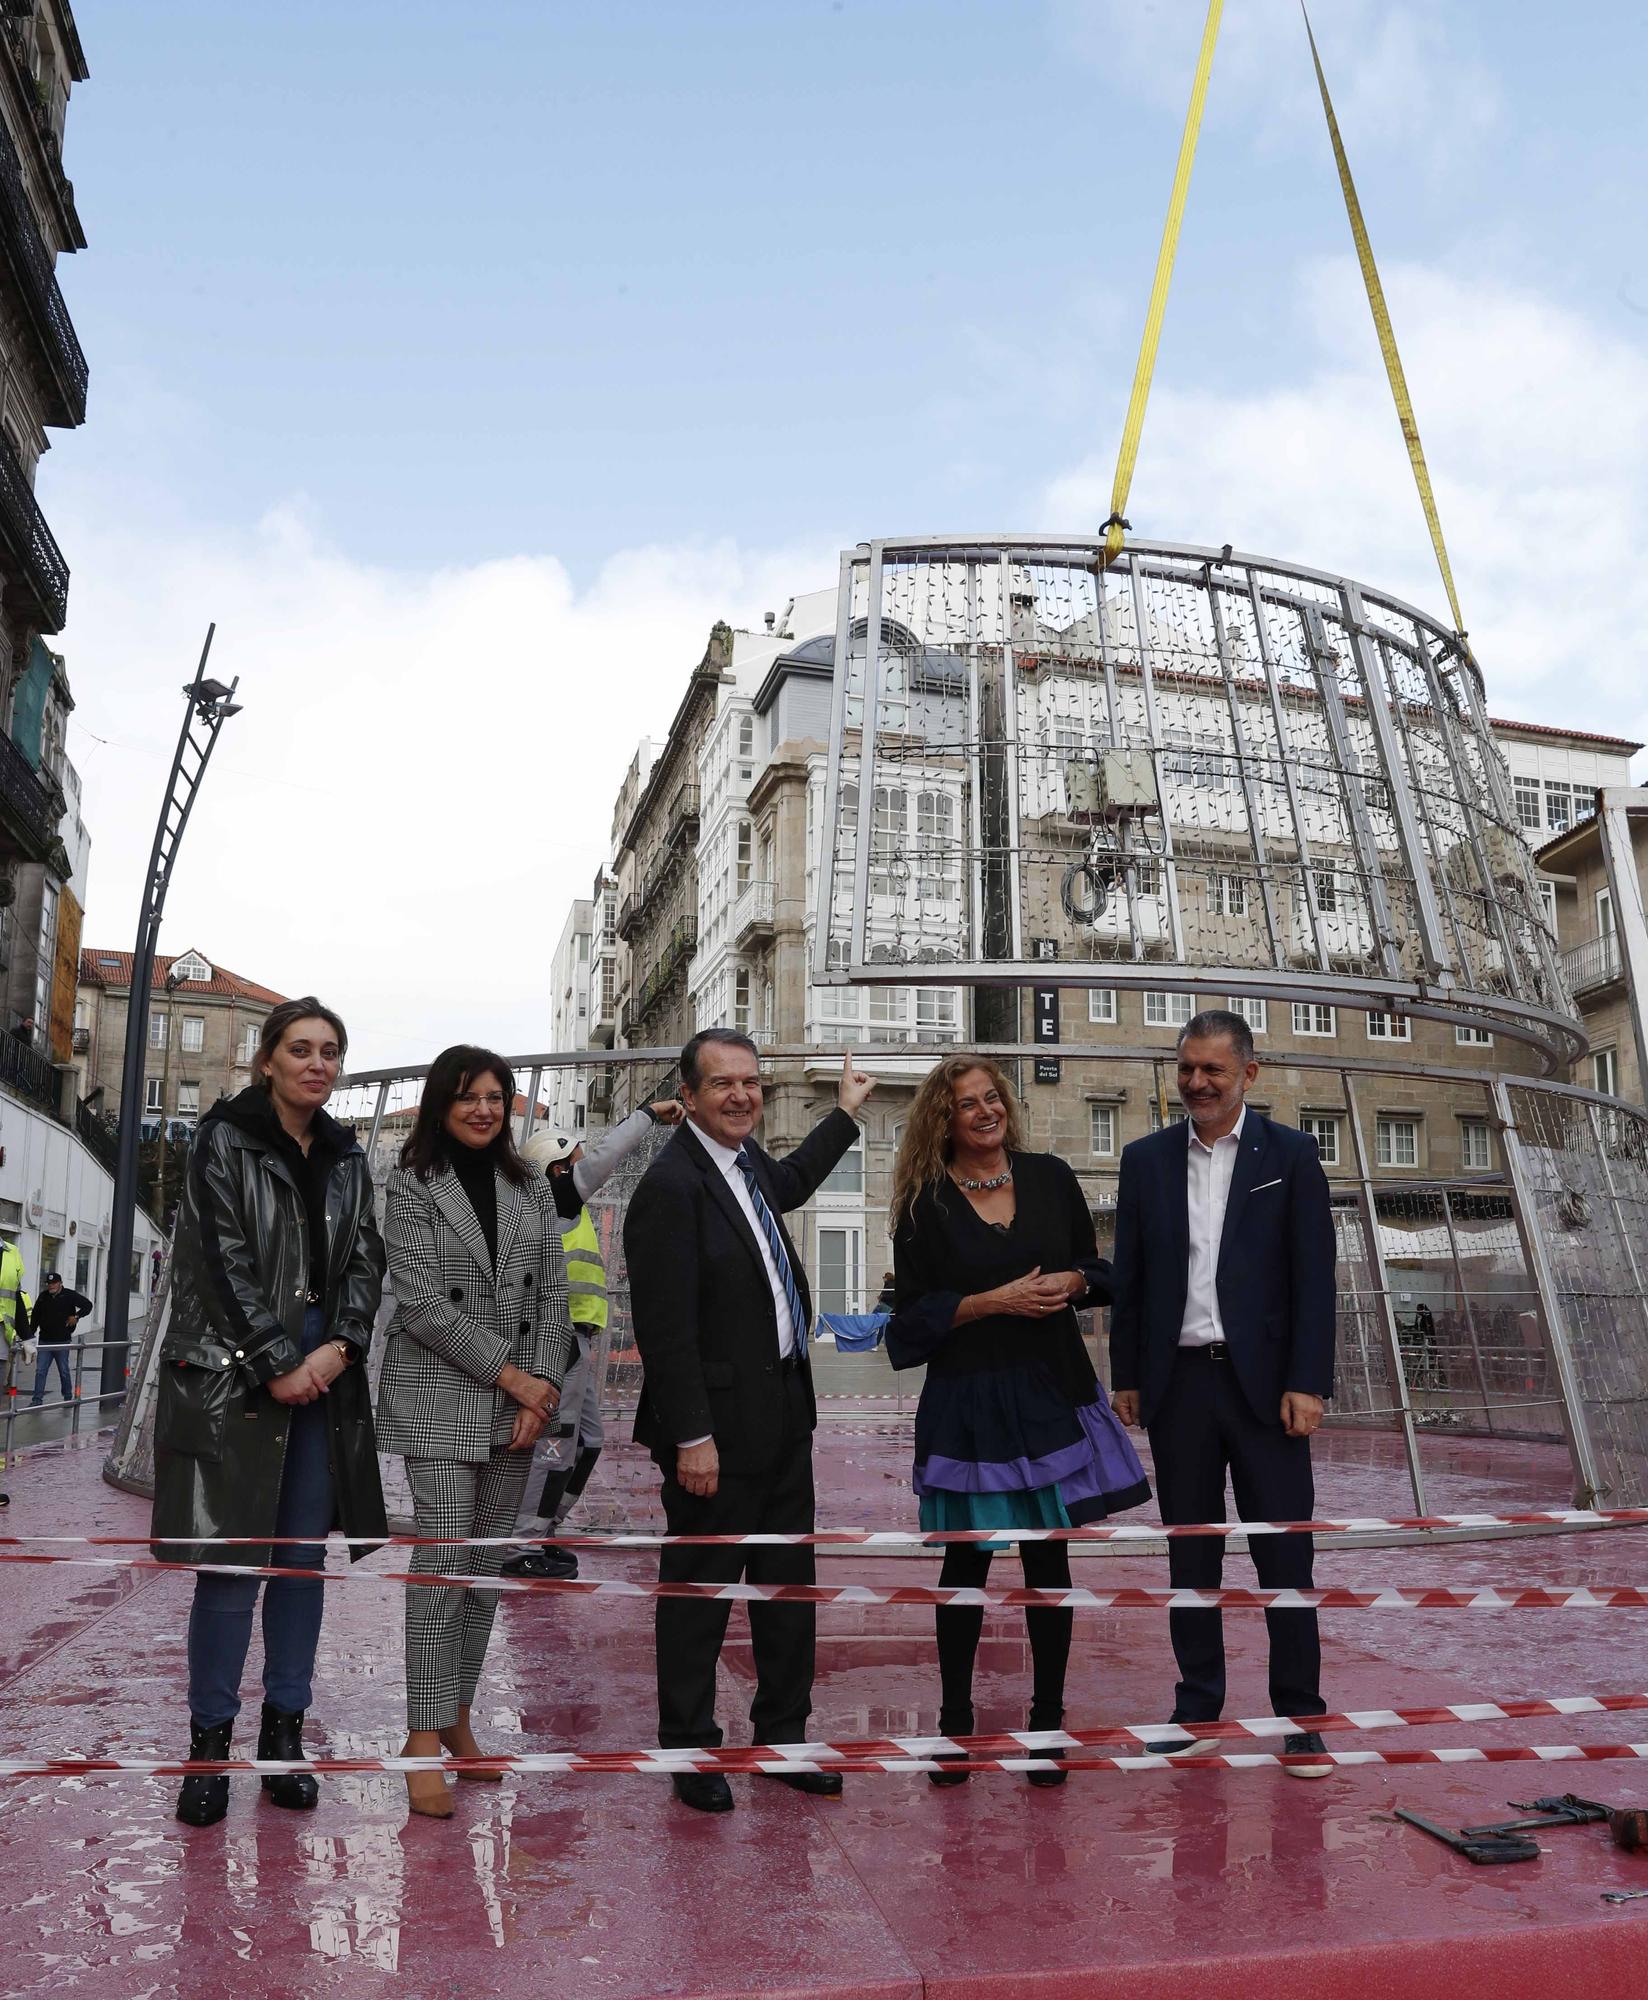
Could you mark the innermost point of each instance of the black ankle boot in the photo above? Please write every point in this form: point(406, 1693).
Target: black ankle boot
point(281, 1736)
point(1046, 1718)
point(953, 1722)
point(204, 1800)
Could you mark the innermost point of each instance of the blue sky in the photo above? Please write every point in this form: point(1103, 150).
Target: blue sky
point(558, 329)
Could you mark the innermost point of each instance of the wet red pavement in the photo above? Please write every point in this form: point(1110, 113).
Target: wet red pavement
point(1215, 1884)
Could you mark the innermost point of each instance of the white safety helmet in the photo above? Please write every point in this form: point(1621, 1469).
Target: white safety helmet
point(546, 1149)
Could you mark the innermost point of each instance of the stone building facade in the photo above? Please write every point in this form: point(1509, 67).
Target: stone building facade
point(1592, 955)
point(43, 379)
point(204, 1022)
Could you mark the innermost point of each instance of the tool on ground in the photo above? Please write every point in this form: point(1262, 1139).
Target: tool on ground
point(1483, 1848)
point(1622, 1895)
point(1569, 1810)
point(1628, 1828)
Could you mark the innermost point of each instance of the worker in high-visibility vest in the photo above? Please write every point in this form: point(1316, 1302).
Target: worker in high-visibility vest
point(575, 1444)
point(14, 1319)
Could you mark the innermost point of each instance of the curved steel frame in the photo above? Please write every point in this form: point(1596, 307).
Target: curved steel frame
point(1354, 814)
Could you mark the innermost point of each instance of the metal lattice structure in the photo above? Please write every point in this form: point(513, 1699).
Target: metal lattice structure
point(1277, 782)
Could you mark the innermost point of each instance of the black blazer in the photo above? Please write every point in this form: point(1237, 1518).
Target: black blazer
point(1276, 1276)
point(701, 1302)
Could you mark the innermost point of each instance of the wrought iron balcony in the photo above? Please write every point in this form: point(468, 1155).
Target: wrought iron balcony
point(683, 815)
point(30, 806)
point(38, 293)
point(27, 1072)
point(1594, 963)
point(752, 914)
point(31, 563)
point(629, 915)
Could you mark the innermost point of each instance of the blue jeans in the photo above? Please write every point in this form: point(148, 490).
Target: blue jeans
point(51, 1357)
point(220, 1622)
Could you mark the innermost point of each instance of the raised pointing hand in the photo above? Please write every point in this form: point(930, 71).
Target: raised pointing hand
point(856, 1085)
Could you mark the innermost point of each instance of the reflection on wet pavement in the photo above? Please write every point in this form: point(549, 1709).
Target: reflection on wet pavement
point(604, 1887)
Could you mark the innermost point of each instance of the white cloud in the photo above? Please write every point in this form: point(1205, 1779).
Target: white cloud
point(424, 774)
point(1397, 73)
point(1535, 425)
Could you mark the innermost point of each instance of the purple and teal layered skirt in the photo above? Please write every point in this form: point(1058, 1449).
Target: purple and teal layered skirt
point(1003, 1448)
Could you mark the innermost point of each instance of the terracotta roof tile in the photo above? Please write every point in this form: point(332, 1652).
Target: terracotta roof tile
point(114, 969)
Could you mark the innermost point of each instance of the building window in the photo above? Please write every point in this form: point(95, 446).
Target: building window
point(1475, 1146)
point(840, 1254)
point(1547, 902)
point(249, 1041)
point(847, 1175)
point(1526, 792)
point(1311, 1018)
point(1327, 893)
point(188, 1101)
point(1173, 1117)
point(151, 1094)
point(1559, 806)
point(157, 1031)
point(744, 869)
point(1325, 1131)
point(1255, 1012)
point(1605, 913)
point(1389, 1028)
point(45, 959)
point(194, 1034)
point(1397, 1142)
point(1102, 1127)
point(938, 870)
point(1472, 1038)
point(741, 1000)
point(191, 966)
point(887, 838)
point(746, 748)
point(1227, 895)
point(1147, 877)
point(1167, 1010)
point(1605, 1072)
point(1101, 1005)
point(936, 1008)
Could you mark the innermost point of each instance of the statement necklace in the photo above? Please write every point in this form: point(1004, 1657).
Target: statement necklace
point(1001, 1180)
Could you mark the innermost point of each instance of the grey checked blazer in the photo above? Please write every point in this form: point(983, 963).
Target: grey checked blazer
point(456, 1323)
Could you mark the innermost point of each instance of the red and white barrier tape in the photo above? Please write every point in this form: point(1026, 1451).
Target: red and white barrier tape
point(1341, 1597)
point(903, 1538)
point(665, 1762)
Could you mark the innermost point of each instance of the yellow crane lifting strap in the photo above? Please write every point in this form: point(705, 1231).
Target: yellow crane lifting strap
point(1152, 336)
point(1387, 343)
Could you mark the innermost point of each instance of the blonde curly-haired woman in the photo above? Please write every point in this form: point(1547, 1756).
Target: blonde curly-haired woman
point(993, 1252)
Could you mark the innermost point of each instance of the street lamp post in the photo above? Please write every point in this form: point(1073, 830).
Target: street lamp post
point(210, 704)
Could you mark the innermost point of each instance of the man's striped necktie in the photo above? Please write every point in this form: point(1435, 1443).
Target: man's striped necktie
point(780, 1256)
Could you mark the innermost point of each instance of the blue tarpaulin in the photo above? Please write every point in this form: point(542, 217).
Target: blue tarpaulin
point(854, 1333)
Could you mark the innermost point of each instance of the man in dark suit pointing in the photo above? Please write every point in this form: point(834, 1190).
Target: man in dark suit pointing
point(1221, 1344)
point(722, 1316)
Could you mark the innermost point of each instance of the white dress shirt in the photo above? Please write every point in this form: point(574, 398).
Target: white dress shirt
point(726, 1164)
point(726, 1160)
point(1208, 1170)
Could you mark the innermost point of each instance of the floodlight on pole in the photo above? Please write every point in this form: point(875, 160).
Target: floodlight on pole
point(210, 704)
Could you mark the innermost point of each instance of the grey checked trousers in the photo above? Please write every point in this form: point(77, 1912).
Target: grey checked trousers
point(447, 1630)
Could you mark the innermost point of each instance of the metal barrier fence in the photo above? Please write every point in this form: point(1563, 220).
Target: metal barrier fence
point(1504, 1302)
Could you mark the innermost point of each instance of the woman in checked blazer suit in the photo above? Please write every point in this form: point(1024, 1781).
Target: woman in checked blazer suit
point(477, 1349)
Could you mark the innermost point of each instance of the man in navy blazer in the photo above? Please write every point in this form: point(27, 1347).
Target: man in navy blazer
point(721, 1311)
point(1221, 1345)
